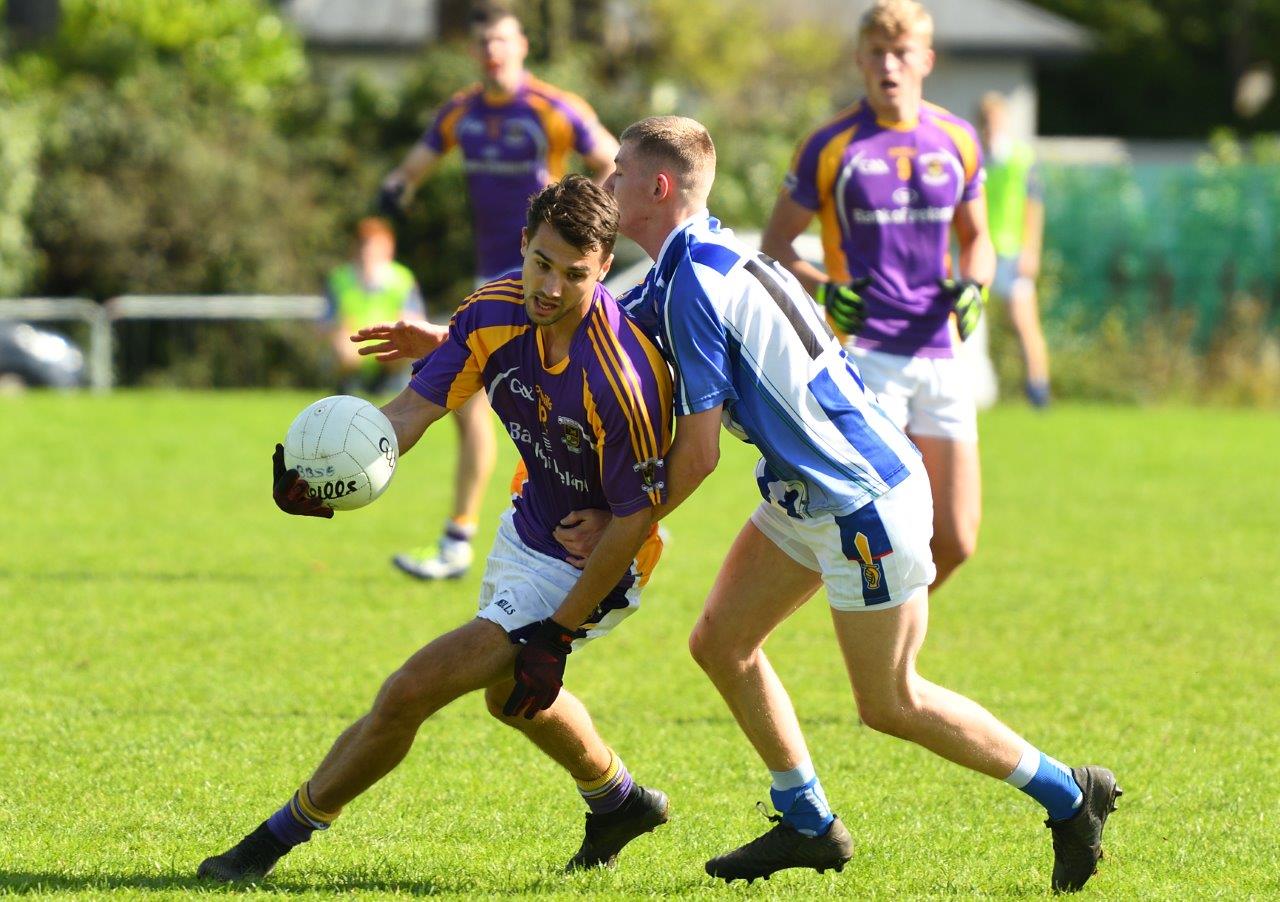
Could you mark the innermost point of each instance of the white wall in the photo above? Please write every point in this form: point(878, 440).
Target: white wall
point(958, 83)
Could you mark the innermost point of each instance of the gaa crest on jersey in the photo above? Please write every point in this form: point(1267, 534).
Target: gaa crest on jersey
point(935, 169)
point(572, 435)
point(648, 470)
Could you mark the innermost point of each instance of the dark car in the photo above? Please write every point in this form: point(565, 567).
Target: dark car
point(38, 357)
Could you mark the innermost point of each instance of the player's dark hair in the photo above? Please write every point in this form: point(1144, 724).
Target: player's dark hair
point(486, 14)
point(581, 212)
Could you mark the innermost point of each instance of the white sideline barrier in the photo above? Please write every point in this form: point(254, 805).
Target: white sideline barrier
point(102, 317)
point(101, 376)
point(216, 306)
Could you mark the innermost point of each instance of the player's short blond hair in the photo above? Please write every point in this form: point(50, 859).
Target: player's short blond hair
point(897, 18)
point(682, 144)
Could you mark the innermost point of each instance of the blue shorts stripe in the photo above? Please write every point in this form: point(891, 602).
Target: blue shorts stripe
point(863, 538)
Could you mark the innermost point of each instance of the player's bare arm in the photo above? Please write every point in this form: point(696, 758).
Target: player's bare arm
point(402, 181)
point(977, 254)
point(410, 414)
point(788, 220)
point(403, 340)
point(619, 542)
point(694, 455)
point(1032, 239)
point(600, 160)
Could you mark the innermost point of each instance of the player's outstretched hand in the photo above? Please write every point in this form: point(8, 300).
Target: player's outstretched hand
point(403, 340)
point(845, 304)
point(290, 490)
point(390, 199)
point(539, 670)
point(579, 533)
point(968, 298)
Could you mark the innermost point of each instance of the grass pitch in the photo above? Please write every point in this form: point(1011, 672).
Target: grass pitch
point(176, 656)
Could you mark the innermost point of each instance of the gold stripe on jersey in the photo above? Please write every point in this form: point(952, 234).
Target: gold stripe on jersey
point(621, 376)
point(962, 139)
point(559, 131)
point(611, 378)
point(624, 384)
point(630, 378)
point(482, 343)
point(662, 375)
point(594, 421)
point(828, 172)
point(510, 291)
point(449, 124)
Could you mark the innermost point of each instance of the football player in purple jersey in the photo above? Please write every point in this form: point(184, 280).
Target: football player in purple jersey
point(515, 134)
point(891, 179)
point(586, 399)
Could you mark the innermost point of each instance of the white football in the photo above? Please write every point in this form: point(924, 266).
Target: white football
point(346, 450)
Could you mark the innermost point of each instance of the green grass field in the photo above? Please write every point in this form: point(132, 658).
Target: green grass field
point(176, 655)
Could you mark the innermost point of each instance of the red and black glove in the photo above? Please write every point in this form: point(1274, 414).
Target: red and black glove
point(539, 670)
point(290, 490)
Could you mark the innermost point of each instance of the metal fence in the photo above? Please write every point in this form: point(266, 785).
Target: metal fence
point(101, 318)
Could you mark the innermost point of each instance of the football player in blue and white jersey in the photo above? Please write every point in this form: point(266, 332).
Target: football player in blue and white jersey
point(846, 505)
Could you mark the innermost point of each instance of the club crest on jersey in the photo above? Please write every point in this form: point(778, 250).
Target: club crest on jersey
point(648, 470)
point(934, 169)
point(572, 435)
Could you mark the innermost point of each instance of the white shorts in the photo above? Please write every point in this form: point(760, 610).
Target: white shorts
point(874, 558)
point(924, 396)
point(522, 586)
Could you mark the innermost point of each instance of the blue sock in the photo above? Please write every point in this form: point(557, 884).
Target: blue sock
point(798, 795)
point(1038, 394)
point(1047, 781)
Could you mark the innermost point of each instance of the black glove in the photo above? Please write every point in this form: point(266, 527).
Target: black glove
point(290, 490)
point(539, 670)
point(967, 298)
point(390, 200)
point(845, 304)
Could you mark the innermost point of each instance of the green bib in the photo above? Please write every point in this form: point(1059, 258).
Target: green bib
point(1007, 199)
point(358, 307)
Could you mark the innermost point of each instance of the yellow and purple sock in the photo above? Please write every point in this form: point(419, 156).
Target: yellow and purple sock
point(298, 819)
point(610, 790)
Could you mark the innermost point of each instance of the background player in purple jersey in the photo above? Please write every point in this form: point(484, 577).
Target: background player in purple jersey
point(515, 134)
point(890, 179)
point(587, 400)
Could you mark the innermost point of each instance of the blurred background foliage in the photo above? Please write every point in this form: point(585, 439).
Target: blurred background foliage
point(179, 146)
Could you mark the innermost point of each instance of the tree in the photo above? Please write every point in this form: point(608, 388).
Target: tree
point(1166, 69)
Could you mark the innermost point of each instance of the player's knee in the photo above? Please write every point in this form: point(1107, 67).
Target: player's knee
point(895, 714)
point(710, 650)
point(495, 697)
point(402, 703)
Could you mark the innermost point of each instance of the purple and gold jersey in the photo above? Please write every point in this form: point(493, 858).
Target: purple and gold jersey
point(511, 148)
point(885, 196)
point(592, 430)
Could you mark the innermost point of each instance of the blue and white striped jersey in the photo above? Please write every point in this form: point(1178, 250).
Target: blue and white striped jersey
point(739, 329)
